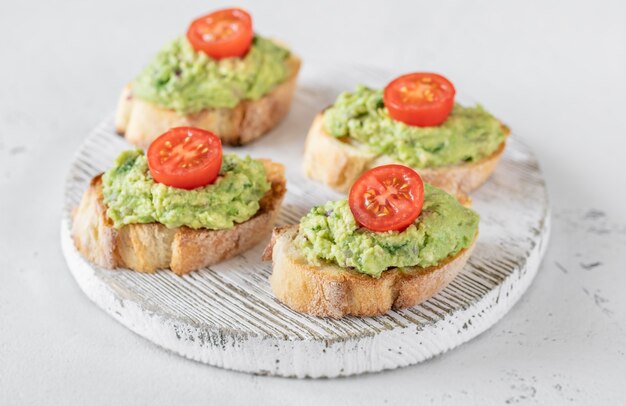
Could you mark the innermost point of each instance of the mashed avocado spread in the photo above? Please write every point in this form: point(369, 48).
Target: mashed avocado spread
point(469, 133)
point(329, 232)
point(187, 81)
point(132, 196)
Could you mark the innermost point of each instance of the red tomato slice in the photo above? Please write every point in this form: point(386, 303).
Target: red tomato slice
point(222, 34)
point(387, 198)
point(420, 99)
point(185, 158)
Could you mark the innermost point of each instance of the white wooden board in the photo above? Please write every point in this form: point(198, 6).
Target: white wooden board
point(226, 316)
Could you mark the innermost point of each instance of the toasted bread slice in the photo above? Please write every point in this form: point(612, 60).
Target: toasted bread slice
point(148, 247)
point(339, 162)
point(331, 291)
point(141, 121)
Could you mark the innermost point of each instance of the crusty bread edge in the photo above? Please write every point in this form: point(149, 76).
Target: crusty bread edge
point(338, 163)
point(149, 247)
point(330, 291)
point(141, 122)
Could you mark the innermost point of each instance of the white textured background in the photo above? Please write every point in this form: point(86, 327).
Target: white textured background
point(554, 72)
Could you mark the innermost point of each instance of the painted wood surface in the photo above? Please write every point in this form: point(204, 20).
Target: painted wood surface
point(226, 315)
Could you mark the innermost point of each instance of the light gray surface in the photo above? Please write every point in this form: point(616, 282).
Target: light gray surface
point(552, 72)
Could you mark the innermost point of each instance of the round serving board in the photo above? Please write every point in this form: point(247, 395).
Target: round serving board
point(226, 315)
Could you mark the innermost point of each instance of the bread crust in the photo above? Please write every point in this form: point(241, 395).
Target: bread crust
point(338, 163)
point(331, 291)
point(141, 121)
point(148, 247)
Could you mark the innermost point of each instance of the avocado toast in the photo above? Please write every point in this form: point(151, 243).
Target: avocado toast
point(390, 245)
point(127, 218)
point(359, 132)
point(239, 91)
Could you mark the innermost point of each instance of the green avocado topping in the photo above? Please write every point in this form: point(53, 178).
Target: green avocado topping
point(468, 135)
point(181, 79)
point(132, 196)
point(330, 233)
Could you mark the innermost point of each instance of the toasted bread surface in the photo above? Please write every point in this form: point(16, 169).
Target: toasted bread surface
point(339, 162)
point(141, 121)
point(331, 291)
point(148, 247)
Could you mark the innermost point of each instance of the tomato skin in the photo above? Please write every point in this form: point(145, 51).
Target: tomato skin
point(222, 34)
point(387, 198)
point(420, 99)
point(185, 158)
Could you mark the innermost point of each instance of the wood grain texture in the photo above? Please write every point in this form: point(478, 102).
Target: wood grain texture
point(226, 315)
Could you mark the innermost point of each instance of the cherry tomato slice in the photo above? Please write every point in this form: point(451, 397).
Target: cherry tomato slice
point(185, 158)
point(222, 34)
point(387, 198)
point(420, 99)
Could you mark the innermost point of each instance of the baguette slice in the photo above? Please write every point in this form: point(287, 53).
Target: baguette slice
point(338, 163)
point(141, 122)
point(332, 291)
point(148, 247)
